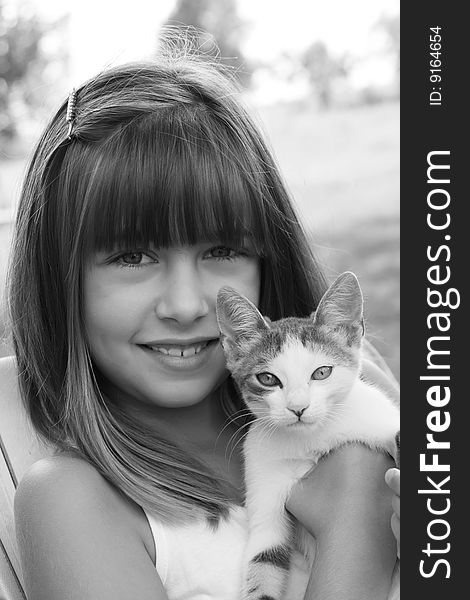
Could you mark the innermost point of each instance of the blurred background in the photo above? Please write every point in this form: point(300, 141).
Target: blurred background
point(321, 77)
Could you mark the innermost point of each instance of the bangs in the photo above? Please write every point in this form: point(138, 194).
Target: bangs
point(176, 180)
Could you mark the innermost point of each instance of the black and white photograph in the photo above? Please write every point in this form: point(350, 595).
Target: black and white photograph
point(200, 302)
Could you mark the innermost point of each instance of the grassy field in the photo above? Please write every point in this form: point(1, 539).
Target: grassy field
point(342, 168)
point(342, 165)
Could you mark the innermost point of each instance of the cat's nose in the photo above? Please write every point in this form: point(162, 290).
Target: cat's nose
point(297, 411)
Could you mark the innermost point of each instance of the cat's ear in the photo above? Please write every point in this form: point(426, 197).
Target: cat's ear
point(238, 318)
point(342, 305)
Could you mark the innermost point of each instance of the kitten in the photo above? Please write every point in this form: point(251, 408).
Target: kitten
point(300, 379)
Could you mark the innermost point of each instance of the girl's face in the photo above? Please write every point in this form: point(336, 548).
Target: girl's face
point(151, 322)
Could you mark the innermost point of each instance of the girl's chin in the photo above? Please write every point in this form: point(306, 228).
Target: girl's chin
point(161, 387)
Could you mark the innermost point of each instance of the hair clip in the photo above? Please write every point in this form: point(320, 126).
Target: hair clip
point(71, 112)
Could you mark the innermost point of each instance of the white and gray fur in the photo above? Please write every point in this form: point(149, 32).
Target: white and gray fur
point(299, 420)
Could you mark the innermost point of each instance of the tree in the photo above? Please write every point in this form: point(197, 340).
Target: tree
point(27, 66)
point(322, 69)
point(219, 31)
point(390, 26)
point(19, 54)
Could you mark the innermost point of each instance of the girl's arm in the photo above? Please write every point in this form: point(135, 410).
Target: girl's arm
point(392, 479)
point(79, 538)
point(346, 505)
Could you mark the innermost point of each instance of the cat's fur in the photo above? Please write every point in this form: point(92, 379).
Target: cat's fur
point(301, 421)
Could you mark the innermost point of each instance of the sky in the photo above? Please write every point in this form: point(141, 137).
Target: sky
point(108, 32)
point(344, 24)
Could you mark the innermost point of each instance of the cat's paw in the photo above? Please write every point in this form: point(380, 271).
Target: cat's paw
point(267, 575)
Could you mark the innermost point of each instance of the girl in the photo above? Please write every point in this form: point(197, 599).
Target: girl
point(151, 193)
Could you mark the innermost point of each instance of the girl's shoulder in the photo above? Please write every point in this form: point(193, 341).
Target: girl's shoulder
point(69, 516)
point(79, 537)
point(65, 492)
point(65, 474)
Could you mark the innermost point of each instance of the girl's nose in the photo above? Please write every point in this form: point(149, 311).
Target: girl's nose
point(184, 298)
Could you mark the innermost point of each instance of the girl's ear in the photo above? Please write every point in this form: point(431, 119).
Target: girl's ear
point(238, 318)
point(342, 305)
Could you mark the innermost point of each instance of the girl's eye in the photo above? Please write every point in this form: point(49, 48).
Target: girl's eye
point(133, 259)
point(322, 373)
point(268, 380)
point(222, 252)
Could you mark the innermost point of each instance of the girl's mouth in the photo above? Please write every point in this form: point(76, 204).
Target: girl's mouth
point(182, 356)
point(180, 351)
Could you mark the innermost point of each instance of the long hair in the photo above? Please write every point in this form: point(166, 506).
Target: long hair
point(161, 153)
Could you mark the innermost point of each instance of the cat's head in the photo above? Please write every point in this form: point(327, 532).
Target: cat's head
point(295, 371)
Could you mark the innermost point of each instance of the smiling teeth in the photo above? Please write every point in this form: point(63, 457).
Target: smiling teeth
point(181, 352)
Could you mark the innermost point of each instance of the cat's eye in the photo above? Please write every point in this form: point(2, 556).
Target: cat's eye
point(268, 380)
point(322, 373)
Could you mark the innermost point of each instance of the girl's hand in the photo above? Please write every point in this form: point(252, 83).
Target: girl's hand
point(346, 505)
point(392, 479)
point(347, 484)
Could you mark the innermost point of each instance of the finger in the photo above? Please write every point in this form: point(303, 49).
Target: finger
point(392, 479)
point(396, 505)
point(395, 523)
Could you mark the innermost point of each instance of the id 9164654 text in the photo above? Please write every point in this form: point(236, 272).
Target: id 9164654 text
point(435, 66)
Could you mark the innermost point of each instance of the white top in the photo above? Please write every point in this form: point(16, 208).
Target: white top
point(198, 562)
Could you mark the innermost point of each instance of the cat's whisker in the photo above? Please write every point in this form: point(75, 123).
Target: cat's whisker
point(232, 439)
point(240, 414)
point(254, 425)
point(265, 429)
point(272, 428)
point(238, 430)
point(337, 411)
point(246, 413)
point(239, 441)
